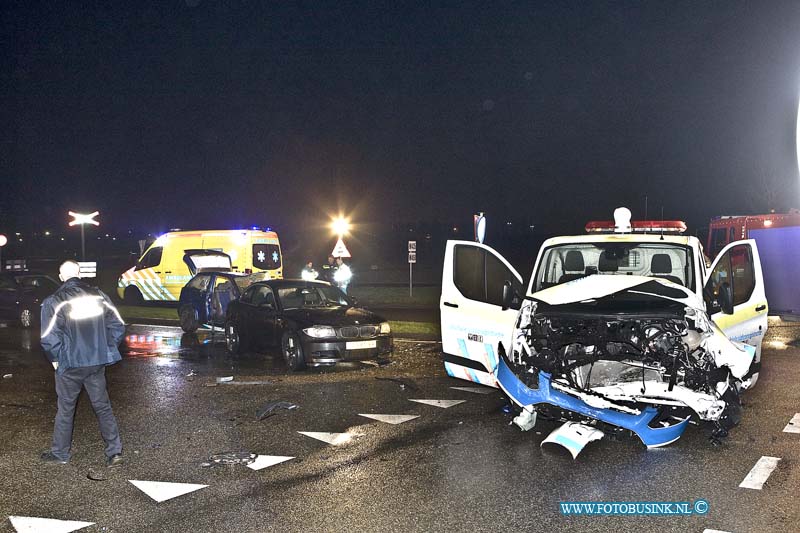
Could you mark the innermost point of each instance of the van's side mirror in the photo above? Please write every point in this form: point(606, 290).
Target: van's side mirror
point(508, 294)
point(725, 298)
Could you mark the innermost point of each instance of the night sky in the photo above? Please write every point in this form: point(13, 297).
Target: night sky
point(208, 113)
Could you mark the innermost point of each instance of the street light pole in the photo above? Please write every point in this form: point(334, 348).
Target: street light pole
point(82, 220)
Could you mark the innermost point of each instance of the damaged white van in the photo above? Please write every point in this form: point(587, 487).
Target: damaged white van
point(620, 330)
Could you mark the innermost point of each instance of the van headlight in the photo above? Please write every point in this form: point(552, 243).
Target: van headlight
point(385, 329)
point(320, 331)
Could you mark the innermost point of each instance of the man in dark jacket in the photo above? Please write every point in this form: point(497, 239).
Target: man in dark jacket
point(81, 331)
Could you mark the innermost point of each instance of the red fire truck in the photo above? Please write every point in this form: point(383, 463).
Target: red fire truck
point(778, 240)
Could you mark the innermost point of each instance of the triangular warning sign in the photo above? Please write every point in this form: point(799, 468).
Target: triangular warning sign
point(340, 250)
point(390, 419)
point(162, 491)
point(331, 438)
point(263, 461)
point(444, 404)
point(29, 524)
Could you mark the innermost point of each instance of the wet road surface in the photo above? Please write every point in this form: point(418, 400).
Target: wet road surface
point(451, 469)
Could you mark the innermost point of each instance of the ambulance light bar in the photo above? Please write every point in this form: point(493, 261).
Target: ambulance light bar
point(638, 226)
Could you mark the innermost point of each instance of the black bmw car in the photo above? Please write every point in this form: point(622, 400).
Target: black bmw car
point(313, 322)
point(21, 295)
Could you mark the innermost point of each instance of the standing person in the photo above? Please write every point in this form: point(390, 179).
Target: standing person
point(343, 274)
point(309, 273)
point(81, 331)
point(329, 270)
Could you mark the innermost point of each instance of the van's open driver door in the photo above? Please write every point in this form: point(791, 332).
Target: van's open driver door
point(473, 318)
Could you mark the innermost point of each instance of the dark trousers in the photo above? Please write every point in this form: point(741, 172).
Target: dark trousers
point(68, 387)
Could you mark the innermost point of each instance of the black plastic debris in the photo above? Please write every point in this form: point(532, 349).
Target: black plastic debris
point(269, 409)
point(96, 475)
point(230, 458)
point(404, 383)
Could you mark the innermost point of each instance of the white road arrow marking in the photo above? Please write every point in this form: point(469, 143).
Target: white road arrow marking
point(263, 461)
point(390, 419)
point(794, 424)
point(476, 390)
point(760, 473)
point(444, 404)
point(335, 439)
point(30, 524)
point(162, 491)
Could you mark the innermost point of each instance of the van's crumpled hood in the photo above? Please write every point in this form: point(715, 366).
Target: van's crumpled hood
point(600, 286)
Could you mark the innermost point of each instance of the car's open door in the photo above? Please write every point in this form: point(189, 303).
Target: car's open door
point(474, 320)
point(735, 297)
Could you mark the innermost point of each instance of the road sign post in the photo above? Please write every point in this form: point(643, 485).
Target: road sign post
point(412, 258)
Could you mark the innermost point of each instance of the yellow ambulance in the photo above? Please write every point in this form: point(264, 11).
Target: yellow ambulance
point(162, 271)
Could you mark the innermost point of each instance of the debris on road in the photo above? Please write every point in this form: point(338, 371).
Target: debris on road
point(8, 376)
point(225, 379)
point(269, 409)
point(96, 475)
point(404, 383)
point(230, 458)
point(191, 374)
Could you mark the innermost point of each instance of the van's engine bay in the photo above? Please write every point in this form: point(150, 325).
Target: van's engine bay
point(668, 357)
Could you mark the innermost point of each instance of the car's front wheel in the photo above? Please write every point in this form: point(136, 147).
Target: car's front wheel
point(132, 296)
point(188, 316)
point(233, 339)
point(26, 318)
point(293, 351)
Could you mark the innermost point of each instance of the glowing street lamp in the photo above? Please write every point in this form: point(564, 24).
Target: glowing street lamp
point(3, 242)
point(340, 226)
point(82, 220)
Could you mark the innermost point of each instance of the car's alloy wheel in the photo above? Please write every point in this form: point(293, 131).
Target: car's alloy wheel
point(189, 322)
point(26, 318)
point(293, 351)
point(233, 341)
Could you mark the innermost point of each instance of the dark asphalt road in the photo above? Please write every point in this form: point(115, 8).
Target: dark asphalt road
point(448, 470)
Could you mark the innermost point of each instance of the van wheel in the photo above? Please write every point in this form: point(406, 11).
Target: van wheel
point(292, 351)
point(132, 296)
point(188, 318)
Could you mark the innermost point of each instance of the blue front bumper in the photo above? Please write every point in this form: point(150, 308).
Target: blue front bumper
point(522, 395)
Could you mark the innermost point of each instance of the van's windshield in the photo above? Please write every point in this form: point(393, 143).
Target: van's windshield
point(568, 262)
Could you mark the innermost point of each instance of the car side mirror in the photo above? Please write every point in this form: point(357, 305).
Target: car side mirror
point(725, 298)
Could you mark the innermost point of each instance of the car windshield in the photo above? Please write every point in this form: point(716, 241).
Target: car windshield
point(39, 282)
point(305, 296)
point(568, 262)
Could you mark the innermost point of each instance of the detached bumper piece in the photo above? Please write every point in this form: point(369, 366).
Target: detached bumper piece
point(639, 424)
point(320, 353)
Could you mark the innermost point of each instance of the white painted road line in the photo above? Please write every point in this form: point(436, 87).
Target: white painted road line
point(390, 419)
point(477, 390)
point(444, 404)
point(760, 473)
point(30, 524)
point(162, 491)
point(794, 424)
point(334, 439)
point(263, 461)
point(714, 531)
